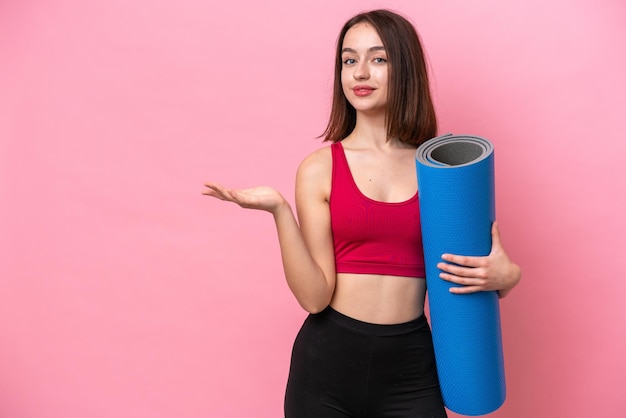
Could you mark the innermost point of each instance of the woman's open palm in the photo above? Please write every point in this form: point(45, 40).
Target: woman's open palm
point(262, 197)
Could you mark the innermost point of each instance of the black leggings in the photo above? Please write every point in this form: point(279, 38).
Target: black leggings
point(342, 367)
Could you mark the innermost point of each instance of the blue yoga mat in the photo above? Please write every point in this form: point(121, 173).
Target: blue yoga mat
point(457, 207)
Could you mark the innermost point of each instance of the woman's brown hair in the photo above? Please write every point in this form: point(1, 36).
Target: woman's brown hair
point(410, 112)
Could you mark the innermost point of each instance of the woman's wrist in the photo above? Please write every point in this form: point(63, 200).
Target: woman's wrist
point(281, 208)
point(515, 276)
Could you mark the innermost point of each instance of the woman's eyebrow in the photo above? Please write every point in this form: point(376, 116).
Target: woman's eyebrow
point(372, 49)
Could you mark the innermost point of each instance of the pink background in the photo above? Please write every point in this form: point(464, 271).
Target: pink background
point(125, 293)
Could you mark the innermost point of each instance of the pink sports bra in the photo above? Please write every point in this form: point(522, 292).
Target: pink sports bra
point(372, 237)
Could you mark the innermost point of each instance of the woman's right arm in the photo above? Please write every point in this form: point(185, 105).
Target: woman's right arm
point(307, 249)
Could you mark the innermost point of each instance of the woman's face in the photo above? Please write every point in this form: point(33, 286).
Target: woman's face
point(364, 72)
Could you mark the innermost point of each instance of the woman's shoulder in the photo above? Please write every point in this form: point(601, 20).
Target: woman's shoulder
point(316, 168)
point(318, 161)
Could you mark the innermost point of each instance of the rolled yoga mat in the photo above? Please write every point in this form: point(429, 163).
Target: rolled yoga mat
point(457, 208)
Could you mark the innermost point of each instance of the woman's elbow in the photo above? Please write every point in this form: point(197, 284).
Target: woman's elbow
point(315, 305)
point(313, 308)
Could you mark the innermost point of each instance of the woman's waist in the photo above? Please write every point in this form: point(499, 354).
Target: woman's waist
point(373, 329)
point(379, 299)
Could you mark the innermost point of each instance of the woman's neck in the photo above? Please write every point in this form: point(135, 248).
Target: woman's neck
point(373, 135)
point(369, 130)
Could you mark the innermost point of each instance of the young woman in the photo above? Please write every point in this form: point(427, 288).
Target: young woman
point(354, 261)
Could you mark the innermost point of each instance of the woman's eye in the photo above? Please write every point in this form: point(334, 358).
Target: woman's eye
point(379, 60)
point(349, 61)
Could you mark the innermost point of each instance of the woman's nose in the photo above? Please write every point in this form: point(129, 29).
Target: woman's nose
point(361, 71)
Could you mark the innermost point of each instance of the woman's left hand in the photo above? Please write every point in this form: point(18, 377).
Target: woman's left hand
point(493, 272)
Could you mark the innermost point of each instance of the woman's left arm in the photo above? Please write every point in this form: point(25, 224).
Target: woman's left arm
point(493, 272)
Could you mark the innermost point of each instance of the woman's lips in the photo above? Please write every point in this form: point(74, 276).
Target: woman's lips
point(362, 91)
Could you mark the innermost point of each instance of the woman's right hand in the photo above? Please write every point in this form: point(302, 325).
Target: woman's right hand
point(262, 198)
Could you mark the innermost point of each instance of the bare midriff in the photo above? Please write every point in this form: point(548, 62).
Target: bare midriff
point(379, 299)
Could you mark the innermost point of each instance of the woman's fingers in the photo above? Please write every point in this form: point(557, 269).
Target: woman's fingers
point(492, 272)
point(217, 191)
